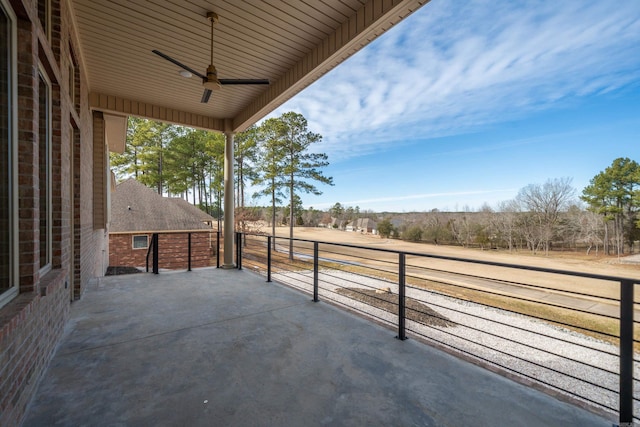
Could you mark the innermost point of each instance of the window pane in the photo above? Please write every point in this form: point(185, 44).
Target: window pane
point(139, 242)
point(44, 161)
point(5, 154)
point(43, 14)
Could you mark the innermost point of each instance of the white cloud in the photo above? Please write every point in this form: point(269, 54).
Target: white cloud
point(457, 65)
point(384, 200)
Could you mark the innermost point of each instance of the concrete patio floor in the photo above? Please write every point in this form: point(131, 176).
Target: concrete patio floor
point(216, 347)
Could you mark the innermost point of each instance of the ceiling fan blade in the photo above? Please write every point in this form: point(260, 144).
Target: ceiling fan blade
point(179, 64)
point(205, 96)
point(243, 81)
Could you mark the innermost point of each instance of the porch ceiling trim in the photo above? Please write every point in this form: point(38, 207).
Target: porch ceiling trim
point(117, 105)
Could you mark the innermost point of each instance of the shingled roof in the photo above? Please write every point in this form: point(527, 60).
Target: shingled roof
point(137, 208)
point(192, 210)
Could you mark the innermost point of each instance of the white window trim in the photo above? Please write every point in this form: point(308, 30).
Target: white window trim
point(133, 238)
point(47, 265)
point(12, 292)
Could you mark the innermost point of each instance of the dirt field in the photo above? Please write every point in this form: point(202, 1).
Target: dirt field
point(556, 260)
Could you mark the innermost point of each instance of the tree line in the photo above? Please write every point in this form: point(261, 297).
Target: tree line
point(275, 160)
point(542, 217)
point(175, 161)
point(552, 215)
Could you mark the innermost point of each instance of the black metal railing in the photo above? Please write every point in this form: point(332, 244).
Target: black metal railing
point(153, 249)
point(178, 250)
point(568, 331)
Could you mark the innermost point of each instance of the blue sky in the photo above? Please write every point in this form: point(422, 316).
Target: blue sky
point(467, 101)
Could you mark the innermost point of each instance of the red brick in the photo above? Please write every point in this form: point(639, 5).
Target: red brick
point(31, 324)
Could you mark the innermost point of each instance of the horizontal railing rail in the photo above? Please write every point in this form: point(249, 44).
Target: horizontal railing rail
point(569, 331)
point(182, 250)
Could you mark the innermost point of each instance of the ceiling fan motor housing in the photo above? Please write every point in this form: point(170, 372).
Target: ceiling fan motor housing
point(212, 82)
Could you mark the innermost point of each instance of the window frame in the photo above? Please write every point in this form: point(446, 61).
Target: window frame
point(133, 241)
point(46, 25)
point(44, 268)
point(12, 97)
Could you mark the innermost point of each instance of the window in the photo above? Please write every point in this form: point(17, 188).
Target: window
point(44, 155)
point(44, 15)
point(72, 80)
point(8, 155)
point(140, 242)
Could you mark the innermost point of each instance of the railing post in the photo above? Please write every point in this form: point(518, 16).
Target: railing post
point(218, 248)
point(189, 254)
point(401, 294)
point(626, 353)
point(155, 267)
point(149, 250)
point(269, 258)
point(315, 271)
point(239, 250)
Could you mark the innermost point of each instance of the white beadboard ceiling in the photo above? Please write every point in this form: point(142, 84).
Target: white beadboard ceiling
point(290, 42)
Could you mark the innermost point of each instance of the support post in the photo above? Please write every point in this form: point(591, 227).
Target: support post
point(229, 204)
point(315, 271)
point(402, 259)
point(189, 253)
point(218, 248)
point(269, 258)
point(626, 353)
point(239, 251)
point(155, 268)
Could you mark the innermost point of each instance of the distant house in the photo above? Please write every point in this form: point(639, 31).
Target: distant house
point(363, 225)
point(137, 212)
point(338, 224)
point(367, 225)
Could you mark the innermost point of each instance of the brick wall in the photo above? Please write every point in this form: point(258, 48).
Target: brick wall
point(31, 327)
point(76, 232)
point(94, 250)
point(32, 323)
point(173, 253)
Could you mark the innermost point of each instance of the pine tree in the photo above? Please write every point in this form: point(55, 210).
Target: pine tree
point(152, 157)
point(270, 164)
point(300, 165)
point(614, 194)
point(245, 152)
point(128, 164)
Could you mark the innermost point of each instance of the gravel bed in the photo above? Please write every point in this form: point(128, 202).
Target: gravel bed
point(528, 347)
point(387, 301)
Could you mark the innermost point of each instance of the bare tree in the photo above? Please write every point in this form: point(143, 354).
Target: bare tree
point(544, 203)
point(592, 227)
point(462, 229)
point(506, 221)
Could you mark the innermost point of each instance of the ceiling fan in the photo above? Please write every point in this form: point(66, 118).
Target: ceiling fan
point(210, 80)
